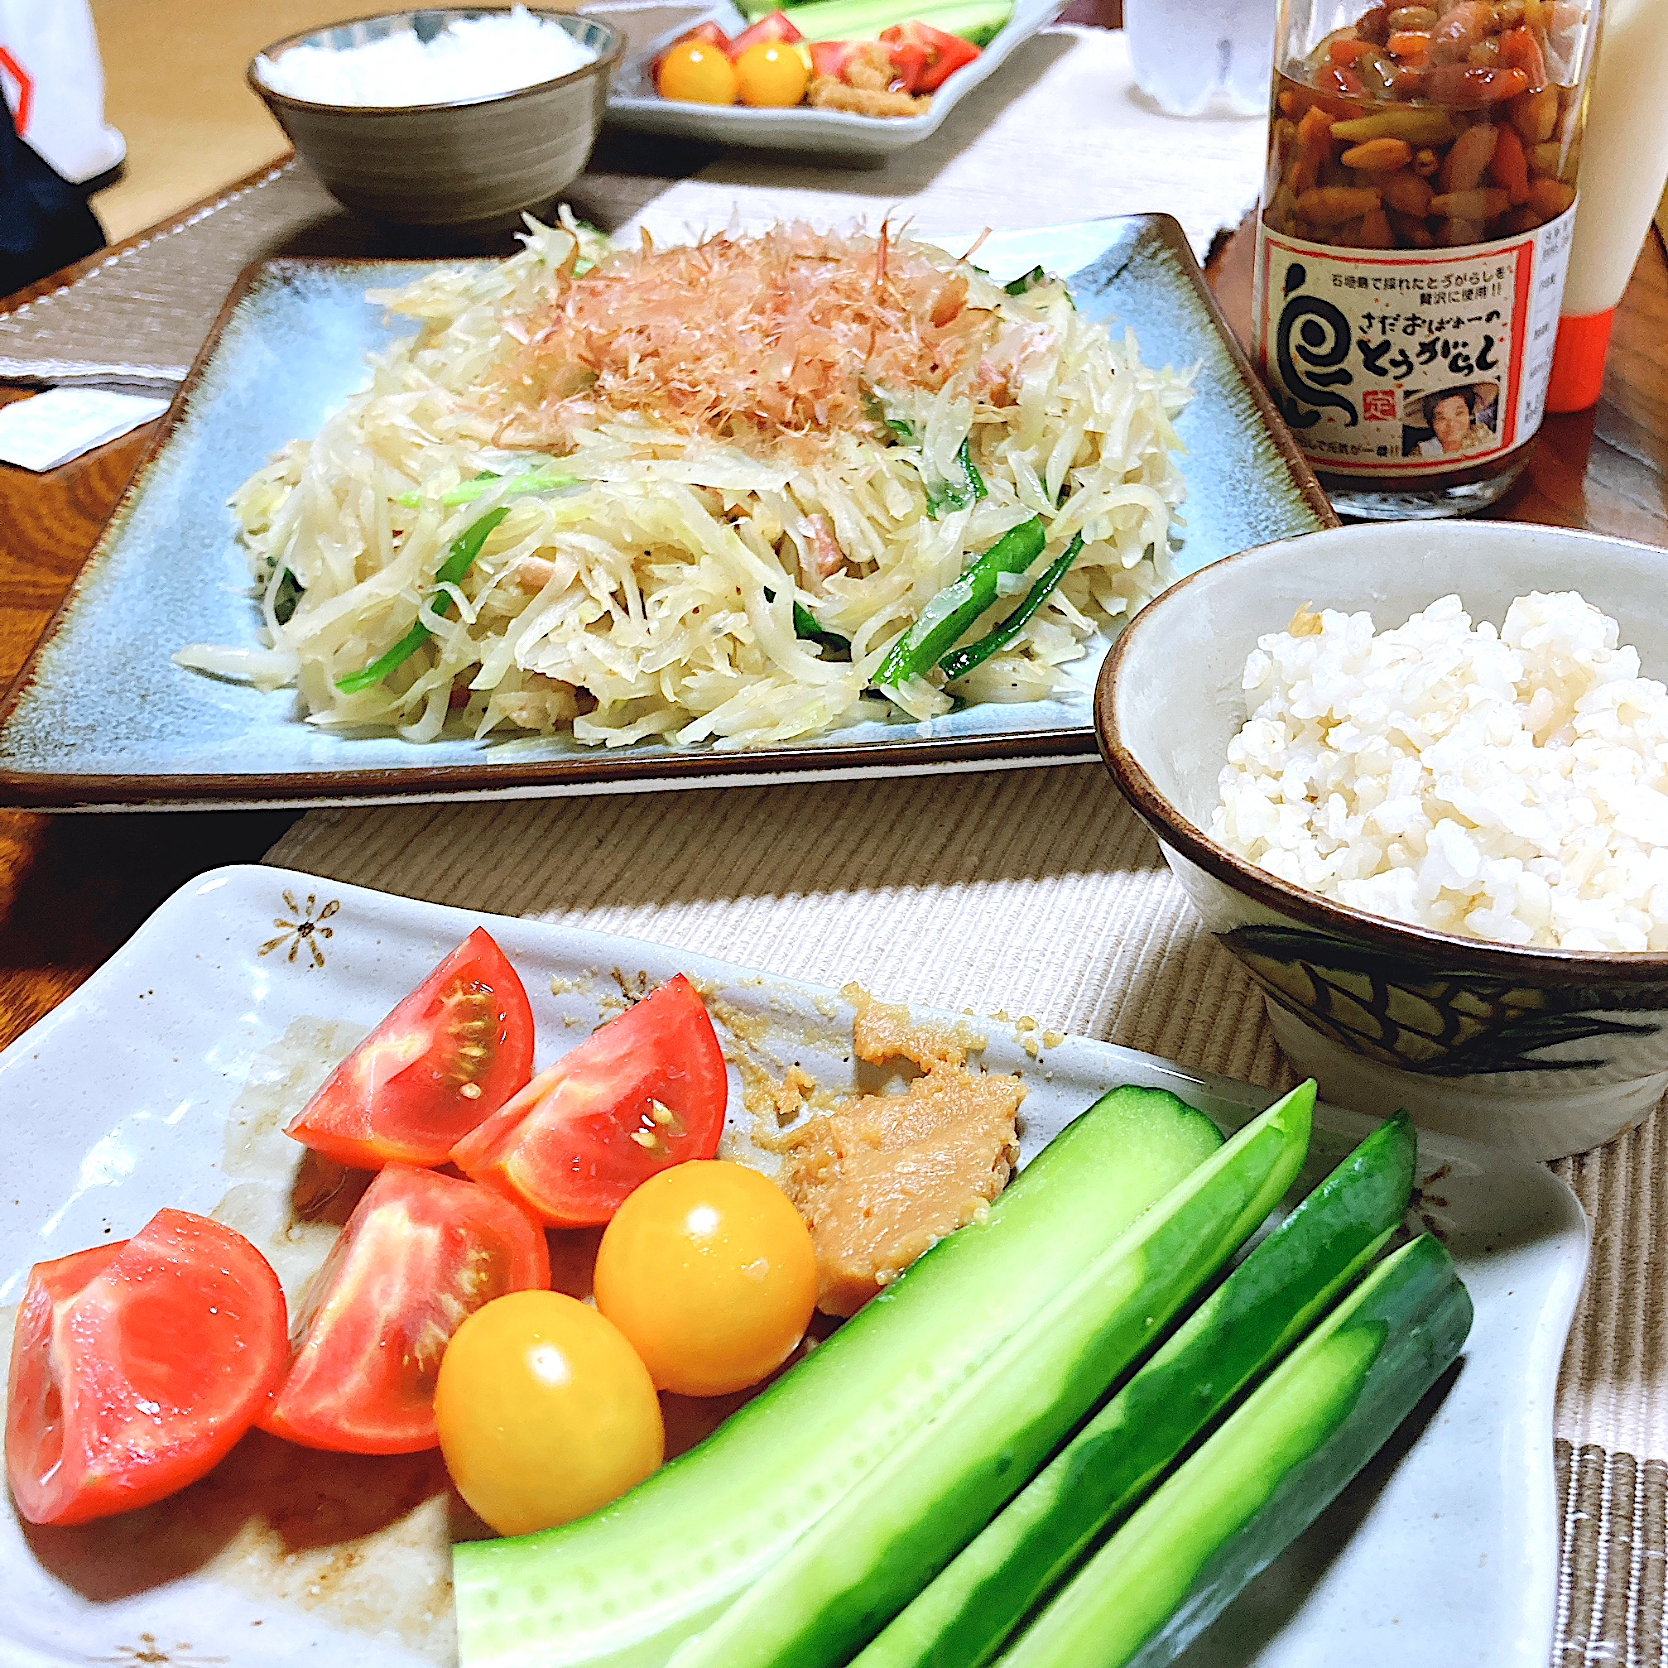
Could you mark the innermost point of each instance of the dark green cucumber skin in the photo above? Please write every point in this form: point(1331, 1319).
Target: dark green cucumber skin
point(886, 1539)
point(1415, 1313)
point(963, 1619)
point(1067, 1205)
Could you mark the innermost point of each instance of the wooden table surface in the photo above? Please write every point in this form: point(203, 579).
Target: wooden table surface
point(73, 888)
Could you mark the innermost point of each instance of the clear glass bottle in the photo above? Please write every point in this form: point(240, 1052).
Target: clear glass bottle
point(1413, 237)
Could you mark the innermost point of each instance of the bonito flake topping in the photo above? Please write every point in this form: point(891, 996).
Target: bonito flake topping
point(747, 339)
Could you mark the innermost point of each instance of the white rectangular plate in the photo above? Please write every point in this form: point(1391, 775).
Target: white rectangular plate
point(803, 130)
point(166, 1079)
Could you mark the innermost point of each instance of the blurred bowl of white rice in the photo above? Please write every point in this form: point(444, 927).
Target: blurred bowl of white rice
point(1415, 777)
point(458, 117)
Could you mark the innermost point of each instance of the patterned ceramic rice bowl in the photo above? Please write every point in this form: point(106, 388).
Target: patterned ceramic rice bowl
point(1545, 1051)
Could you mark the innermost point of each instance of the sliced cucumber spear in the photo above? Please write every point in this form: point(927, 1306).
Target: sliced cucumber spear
point(1267, 1303)
point(626, 1585)
point(837, 1586)
point(830, 20)
point(1263, 1477)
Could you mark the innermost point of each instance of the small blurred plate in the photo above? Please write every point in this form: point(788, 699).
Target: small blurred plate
point(167, 1078)
point(101, 716)
point(633, 102)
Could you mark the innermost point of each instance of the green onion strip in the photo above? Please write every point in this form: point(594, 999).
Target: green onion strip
point(959, 662)
point(459, 560)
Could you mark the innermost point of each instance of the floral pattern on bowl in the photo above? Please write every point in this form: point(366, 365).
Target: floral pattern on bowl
point(1444, 1024)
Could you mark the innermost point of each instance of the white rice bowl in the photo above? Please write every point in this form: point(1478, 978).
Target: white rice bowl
point(471, 58)
point(1507, 784)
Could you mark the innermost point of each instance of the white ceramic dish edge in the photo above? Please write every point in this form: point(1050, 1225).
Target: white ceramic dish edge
point(194, 992)
point(837, 133)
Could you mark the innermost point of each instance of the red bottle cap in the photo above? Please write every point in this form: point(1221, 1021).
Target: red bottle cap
point(1578, 360)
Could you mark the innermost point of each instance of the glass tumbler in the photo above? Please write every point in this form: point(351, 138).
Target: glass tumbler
point(1187, 52)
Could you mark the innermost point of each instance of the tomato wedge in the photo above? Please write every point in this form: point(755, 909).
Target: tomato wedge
point(909, 65)
point(708, 34)
point(831, 57)
point(450, 1053)
point(640, 1094)
point(137, 1365)
point(420, 1252)
point(776, 26)
point(942, 53)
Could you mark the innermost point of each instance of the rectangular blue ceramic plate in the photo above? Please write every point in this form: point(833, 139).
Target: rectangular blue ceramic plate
point(168, 1077)
point(101, 716)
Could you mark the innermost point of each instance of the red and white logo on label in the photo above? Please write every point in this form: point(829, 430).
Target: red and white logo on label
point(1408, 361)
point(19, 87)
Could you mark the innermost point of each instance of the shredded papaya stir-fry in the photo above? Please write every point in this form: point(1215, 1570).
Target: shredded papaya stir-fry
point(733, 492)
point(758, 340)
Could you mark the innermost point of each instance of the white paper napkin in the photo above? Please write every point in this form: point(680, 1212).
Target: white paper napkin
point(61, 424)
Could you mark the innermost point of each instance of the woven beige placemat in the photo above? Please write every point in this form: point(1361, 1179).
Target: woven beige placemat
point(1060, 135)
point(140, 315)
point(1037, 892)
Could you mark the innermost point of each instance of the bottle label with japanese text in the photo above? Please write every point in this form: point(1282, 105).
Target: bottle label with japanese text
point(1409, 362)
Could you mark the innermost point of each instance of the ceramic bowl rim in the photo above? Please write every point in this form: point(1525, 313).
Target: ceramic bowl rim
point(1457, 954)
point(605, 61)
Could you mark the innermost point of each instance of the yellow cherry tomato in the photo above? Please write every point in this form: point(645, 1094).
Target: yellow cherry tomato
point(710, 1273)
point(545, 1412)
point(772, 73)
point(697, 71)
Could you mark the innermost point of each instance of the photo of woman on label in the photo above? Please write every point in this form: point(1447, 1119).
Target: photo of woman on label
point(1450, 421)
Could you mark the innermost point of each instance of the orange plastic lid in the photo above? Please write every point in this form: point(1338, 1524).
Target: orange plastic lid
point(1578, 360)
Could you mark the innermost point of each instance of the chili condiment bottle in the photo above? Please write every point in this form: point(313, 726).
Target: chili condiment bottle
point(1413, 238)
point(1626, 165)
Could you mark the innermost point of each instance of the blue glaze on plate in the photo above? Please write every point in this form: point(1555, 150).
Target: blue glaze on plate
point(103, 715)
